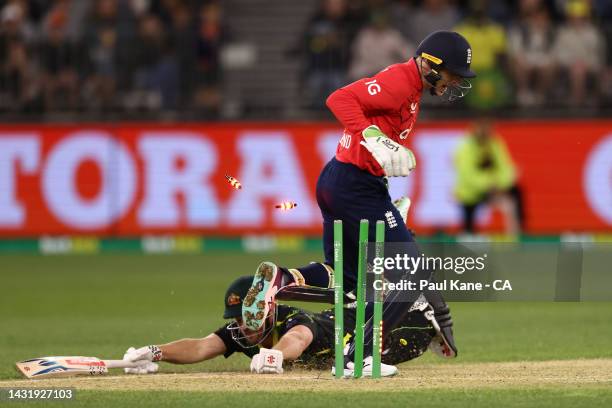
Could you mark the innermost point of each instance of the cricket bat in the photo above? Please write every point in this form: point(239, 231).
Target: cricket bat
point(69, 366)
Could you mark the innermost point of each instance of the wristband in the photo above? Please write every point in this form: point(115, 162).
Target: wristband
point(156, 352)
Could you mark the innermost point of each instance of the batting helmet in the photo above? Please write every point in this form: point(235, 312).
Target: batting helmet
point(448, 50)
point(234, 295)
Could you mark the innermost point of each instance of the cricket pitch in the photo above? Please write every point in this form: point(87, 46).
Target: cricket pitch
point(524, 374)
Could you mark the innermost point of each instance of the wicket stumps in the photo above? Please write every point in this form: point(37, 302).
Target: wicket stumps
point(377, 327)
point(338, 299)
point(361, 303)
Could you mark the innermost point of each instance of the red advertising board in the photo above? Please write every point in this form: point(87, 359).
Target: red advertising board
point(134, 179)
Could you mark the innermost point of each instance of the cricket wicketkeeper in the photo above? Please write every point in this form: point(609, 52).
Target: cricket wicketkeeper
point(289, 334)
point(378, 115)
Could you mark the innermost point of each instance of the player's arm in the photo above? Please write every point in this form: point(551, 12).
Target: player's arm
point(291, 345)
point(294, 342)
point(188, 351)
point(354, 103)
point(185, 351)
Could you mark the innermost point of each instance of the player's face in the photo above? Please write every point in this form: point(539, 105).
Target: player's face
point(451, 86)
point(448, 80)
point(253, 337)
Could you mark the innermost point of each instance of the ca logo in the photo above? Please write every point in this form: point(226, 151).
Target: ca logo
point(373, 87)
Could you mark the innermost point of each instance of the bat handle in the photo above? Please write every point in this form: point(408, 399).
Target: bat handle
point(121, 364)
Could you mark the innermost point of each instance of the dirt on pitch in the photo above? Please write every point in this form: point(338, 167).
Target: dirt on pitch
point(527, 374)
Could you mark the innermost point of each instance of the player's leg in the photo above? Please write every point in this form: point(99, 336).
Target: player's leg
point(269, 278)
point(399, 240)
point(408, 340)
point(341, 188)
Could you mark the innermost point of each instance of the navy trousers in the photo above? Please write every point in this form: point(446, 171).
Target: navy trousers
point(347, 193)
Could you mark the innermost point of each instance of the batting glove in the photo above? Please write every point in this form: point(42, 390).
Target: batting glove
point(267, 362)
point(146, 367)
point(144, 356)
point(395, 159)
point(146, 353)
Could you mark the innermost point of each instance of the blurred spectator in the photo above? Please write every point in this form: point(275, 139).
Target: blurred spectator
point(156, 71)
point(377, 46)
point(400, 12)
point(579, 50)
point(326, 41)
point(103, 14)
point(210, 37)
point(531, 42)
point(604, 11)
point(486, 176)
point(79, 18)
point(14, 22)
point(488, 41)
point(109, 14)
point(138, 7)
point(433, 15)
point(60, 60)
point(184, 41)
point(101, 82)
point(500, 11)
point(19, 85)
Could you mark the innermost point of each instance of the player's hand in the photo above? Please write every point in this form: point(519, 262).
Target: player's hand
point(146, 353)
point(395, 159)
point(145, 357)
point(146, 367)
point(267, 362)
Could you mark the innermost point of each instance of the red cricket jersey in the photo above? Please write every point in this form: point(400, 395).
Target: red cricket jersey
point(389, 100)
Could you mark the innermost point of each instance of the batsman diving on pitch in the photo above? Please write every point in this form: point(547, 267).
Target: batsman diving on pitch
point(289, 335)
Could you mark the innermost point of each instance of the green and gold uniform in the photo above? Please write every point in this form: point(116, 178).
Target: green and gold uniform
point(407, 341)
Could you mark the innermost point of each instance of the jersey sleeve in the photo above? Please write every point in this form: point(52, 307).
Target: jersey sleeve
point(302, 319)
point(354, 104)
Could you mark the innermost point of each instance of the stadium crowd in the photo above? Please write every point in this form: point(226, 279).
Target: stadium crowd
point(527, 53)
point(107, 54)
point(152, 55)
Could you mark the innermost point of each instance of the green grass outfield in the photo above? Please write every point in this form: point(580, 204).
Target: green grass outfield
point(100, 305)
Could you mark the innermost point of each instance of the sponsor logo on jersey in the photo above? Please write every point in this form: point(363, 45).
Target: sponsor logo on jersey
point(373, 87)
point(406, 133)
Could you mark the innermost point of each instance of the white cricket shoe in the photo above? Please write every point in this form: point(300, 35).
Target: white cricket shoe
point(348, 372)
point(386, 370)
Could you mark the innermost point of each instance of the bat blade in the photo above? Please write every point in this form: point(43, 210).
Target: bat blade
point(68, 366)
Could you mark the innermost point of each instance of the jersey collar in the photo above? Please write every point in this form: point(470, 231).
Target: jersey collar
point(414, 74)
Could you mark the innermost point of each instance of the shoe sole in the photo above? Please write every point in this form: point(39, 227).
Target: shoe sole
point(256, 304)
point(369, 374)
point(347, 373)
point(351, 374)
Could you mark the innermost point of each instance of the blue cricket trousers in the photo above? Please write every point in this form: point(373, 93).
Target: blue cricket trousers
point(347, 193)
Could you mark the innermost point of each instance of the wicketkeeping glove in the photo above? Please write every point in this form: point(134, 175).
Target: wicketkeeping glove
point(395, 159)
